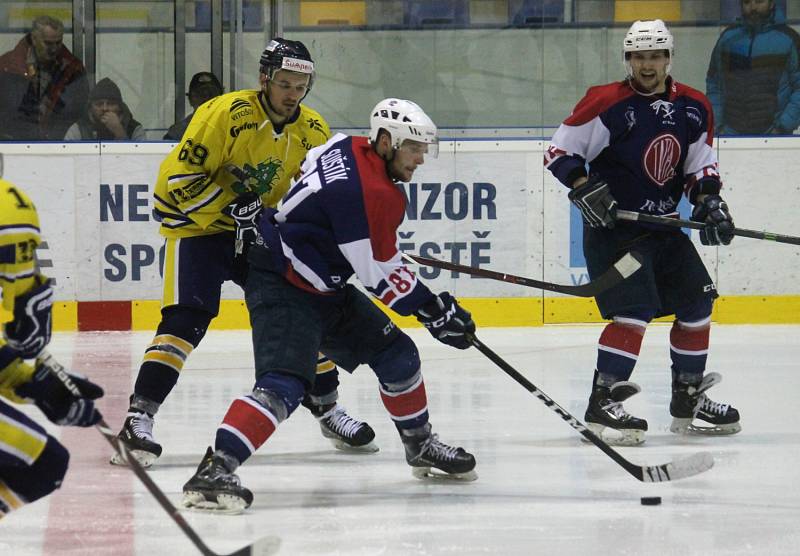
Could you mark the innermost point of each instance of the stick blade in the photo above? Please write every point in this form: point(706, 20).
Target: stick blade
point(265, 546)
point(678, 469)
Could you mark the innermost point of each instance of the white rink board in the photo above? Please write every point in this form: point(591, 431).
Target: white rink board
point(481, 202)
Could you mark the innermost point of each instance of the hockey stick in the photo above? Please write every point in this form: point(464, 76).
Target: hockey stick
point(672, 471)
point(262, 547)
point(677, 223)
point(627, 265)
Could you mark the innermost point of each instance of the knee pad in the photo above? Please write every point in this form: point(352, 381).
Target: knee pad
point(280, 393)
point(698, 311)
point(187, 323)
point(396, 363)
point(43, 477)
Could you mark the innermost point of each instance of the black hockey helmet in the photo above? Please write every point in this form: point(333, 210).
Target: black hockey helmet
point(283, 54)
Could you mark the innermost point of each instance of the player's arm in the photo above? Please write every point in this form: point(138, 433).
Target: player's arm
point(191, 172)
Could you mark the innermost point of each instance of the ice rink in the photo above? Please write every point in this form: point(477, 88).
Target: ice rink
point(540, 489)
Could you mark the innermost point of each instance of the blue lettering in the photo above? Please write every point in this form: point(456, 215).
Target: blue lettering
point(453, 191)
point(483, 197)
point(112, 253)
point(427, 211)
point(429, 249)
point(134, 202)
point(476, 259)
point(111, 202)
point(141, 255)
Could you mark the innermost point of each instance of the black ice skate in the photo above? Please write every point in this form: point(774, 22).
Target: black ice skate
point(344, 432)
point(425, 452)
point(215, 488)
point(605, 411)
point(137, 436)
point(689, 402)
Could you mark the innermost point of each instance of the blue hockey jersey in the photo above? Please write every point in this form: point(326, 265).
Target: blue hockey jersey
point(650, 149)
point(340, 218)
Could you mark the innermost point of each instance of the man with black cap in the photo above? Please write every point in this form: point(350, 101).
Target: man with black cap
point(107, 118)
point(203, 87)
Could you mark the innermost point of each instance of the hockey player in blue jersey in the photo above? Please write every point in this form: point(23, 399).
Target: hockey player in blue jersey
point(647, 141)
point(339, 219)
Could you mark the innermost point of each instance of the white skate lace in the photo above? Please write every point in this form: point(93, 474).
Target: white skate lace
point(341, 423)
point(142, 426)
point(436, 449)
point(616, 409)
point(709, 406)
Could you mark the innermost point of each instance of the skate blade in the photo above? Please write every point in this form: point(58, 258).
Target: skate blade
point(145, 459)
point(225, 504)
point(433, 474)
point(615, 437)
point(685, 426)
point(369, 448)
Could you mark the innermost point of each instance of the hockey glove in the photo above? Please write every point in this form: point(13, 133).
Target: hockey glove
point(713, 211)
point(597, 205)
point(66, 399)
point(30, 330)
point(447, 321)
point(245, 211)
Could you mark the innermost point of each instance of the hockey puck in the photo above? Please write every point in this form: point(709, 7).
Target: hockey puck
point(651, 500)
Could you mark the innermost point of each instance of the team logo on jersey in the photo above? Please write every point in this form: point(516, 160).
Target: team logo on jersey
point(664, 108)
point(314, 123)
point(694, 114)
point(237, 129)
point(661, 157)
point(258, 179)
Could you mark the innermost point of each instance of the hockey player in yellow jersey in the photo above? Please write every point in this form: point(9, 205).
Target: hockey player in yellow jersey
point(240, 151)
point(32, 462)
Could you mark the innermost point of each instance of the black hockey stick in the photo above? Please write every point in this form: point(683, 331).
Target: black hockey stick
point(677, 223)
point(262, 547)
point(672, 471)
point(627, 265)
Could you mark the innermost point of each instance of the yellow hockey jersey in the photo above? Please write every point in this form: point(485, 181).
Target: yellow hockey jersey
point(19, 237)
point(230, 148)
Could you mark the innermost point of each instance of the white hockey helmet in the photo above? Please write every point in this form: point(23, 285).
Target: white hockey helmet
point(647, 35)
point(403, 120)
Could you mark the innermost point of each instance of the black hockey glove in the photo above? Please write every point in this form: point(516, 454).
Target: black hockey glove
point(594, 199)
point(32, 326)
point(713, 211)
point(245, 211)
point(447, 321)
point(66, 399)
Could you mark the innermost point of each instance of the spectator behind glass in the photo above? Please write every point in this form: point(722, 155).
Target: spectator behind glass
point(203, 87)
point(753, 79)
point(43, 87)
point(107, 117)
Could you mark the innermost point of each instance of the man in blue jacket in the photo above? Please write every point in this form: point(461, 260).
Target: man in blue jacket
point(753, 79)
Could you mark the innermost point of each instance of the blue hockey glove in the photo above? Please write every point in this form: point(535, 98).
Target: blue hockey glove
point(593, 198)
point(713, 211)
point(245, 211)
point(65, 398)
point(447, 321)
point(32, 326)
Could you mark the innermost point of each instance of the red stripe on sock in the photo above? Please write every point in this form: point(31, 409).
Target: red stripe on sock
point(622, 338)
point(250, 422)
point(689, 339)
point(406, 403)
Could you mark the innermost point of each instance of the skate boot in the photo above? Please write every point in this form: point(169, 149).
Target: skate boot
point(689, 402)
point(137, 436)
point(344, 432)
point(214, 487)
point(431, 458)
point(605, 411)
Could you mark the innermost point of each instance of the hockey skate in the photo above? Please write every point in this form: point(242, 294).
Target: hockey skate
point(605, 411)
point(215, 488)
point(344, 432)
point(432, 459)
point(689, 402)
point(137, 436)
